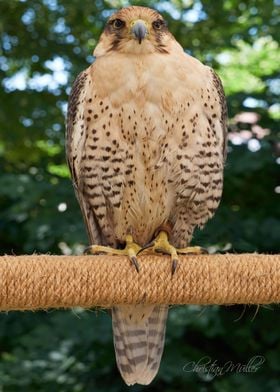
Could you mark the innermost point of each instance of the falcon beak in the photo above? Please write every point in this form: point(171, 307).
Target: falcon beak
point(139, 30)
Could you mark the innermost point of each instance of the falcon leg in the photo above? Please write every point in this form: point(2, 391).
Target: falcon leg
point(131, 249)
point(161, 244)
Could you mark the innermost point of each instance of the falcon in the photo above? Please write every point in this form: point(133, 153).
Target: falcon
point(146, 145)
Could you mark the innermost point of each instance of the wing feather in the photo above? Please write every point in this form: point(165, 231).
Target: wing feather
point(223, 106)
point(75, 150)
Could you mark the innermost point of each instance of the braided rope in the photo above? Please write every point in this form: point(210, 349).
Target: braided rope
point(41, 282)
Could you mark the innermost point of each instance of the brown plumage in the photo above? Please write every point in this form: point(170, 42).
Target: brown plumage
point(146, 142)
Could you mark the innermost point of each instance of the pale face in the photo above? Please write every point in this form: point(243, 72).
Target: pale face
point(134, 30)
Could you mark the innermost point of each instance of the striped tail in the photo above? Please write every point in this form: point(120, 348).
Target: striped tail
point(139, 332)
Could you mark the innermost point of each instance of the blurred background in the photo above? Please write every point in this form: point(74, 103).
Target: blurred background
point(44, 45)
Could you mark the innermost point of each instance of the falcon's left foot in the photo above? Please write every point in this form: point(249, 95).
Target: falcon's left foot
point(131, 249)
point(161, 245)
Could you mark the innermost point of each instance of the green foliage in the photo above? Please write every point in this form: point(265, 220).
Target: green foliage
point(44, 45)
point(245, 66)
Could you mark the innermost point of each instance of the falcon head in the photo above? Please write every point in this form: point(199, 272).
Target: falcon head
point(135, 30)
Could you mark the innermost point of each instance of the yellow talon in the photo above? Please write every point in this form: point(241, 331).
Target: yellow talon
point(192, 250)
point(161, 244)
point(131, 249)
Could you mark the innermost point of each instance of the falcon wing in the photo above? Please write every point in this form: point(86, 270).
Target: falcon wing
point(223, 107)
point(75, 141)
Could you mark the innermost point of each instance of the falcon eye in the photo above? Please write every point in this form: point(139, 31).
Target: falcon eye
point(158, 24)
point(118, 23)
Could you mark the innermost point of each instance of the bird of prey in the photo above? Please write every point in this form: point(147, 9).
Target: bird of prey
point(146, 137)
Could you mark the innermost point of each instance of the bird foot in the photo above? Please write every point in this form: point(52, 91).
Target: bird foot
point(192, 250)
point(131, 249)
point(161, 244)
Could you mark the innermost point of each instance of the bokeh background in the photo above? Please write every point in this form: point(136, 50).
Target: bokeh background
point(44, 45)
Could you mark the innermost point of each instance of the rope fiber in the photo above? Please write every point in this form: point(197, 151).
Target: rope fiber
point(35, 282)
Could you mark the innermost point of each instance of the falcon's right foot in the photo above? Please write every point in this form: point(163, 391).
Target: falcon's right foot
point(131, 249)
point(161, 244)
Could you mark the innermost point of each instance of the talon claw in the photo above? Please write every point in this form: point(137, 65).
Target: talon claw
point(149, 245)
point(87, 250)
point(135, 263)
point(174, 266)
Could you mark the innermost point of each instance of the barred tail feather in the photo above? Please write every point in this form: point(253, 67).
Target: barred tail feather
point(139, 332)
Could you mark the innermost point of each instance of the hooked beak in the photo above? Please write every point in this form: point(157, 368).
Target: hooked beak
point(139, 30)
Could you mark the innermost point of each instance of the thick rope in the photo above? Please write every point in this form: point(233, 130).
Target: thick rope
point(42, 282)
